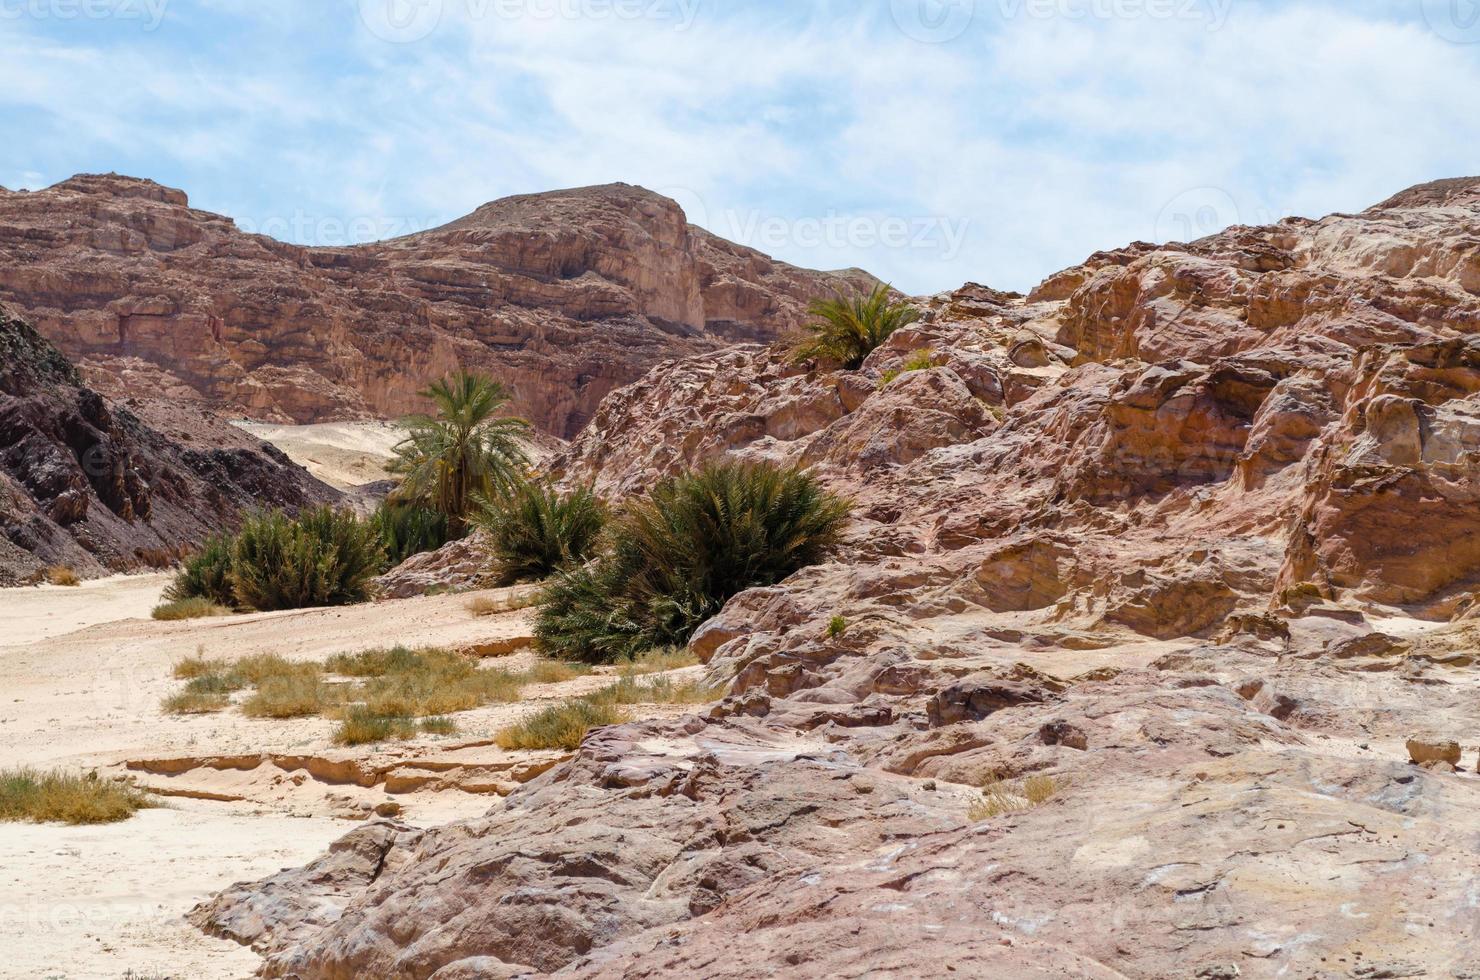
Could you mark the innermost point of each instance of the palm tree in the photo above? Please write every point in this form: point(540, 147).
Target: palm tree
point(847, 330)
point(463, 452)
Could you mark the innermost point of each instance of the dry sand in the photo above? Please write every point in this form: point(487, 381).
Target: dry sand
point(344, 455)
point(82, 674)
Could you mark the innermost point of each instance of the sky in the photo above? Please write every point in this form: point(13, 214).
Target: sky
point(932, 142)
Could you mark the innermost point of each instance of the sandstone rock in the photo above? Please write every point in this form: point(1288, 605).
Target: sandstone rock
point(1427, 749)
point(565, 296)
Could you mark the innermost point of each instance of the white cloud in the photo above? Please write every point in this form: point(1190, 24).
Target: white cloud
point(1050, 136)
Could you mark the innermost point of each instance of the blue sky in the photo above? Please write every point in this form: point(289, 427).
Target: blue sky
point(929, 141)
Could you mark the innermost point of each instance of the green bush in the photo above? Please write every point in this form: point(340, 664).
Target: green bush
point(326, 557)
point(537, 531)
point(205, 574)
point(847, 329)
point(408, 529)
point(677, 556)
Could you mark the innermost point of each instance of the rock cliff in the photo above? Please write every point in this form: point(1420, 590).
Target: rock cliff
point(1188, 536)
point(565, 296)
point(90, 484)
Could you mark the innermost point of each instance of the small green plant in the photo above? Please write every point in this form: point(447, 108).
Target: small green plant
point(325, 557)
point(845, 330)
point(836, 627)
point(677, 556)
point(560, 726)
point(194, 608)
point(999, 797)
point(63, 575)
point(920, 360)
point(205, 575)
point(46, 797)
point(537, 531)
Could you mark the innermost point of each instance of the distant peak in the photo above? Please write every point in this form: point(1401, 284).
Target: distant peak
point(121, 185)
point(1452, 192)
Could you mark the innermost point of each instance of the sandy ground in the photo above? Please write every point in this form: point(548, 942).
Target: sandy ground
point(82, 674)
point(344, 455)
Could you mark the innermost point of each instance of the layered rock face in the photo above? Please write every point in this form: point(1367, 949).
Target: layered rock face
point(88, 483)
point(564, 296)
point(1187, 535)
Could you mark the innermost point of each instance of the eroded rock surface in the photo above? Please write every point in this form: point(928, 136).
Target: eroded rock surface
point(564, 296)
point(99, 486)
point(1187, 533)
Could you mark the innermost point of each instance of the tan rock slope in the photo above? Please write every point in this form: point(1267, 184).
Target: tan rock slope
point(565, 296)
point(1189, 533)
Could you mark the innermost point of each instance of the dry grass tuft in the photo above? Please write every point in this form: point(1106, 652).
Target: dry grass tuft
point(560, 726)
point(659, 660)
point(555, 672)
point(1002, 797)
point(487, 605)
point(298, 693)
point(44, 797)
point(194, 608)
point(62, 575)
point(657, 690)
point(364, 726)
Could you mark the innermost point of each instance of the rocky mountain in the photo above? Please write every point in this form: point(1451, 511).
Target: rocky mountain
point(88, 483)
point(565, 296)
point(1189, 535)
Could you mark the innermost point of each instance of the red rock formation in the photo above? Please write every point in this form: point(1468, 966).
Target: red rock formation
point(565, 296)
point(1161, 533)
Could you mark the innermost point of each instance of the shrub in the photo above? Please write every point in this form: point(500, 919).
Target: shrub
point(299, 692)
point(560, 726)
point(836, 627)
point(62, 575)
point(324, 558)
point(205, 574)
point(679, 555)
point(463, 452)
point(536, 531)
point(363, 726)
point(26, 794)
point(406, 529)
point(193, 608)
point(1000, 797)
point(846, 330)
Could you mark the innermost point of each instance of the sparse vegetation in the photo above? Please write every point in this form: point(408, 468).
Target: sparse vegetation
point(657, 690)
point(845, 330)
point(1002, 797)
point(363, 726)
point(193, 608)
point(463, 452)
point(487, 605)
point(63, 575)
point(406, 529)
point(44, 797)
point(560, 726)
point(836, 627)
point(677, 556)
point(555, 672)
point(325, 557)
point(536, 531)
point(658, 660)
point(920, 360)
